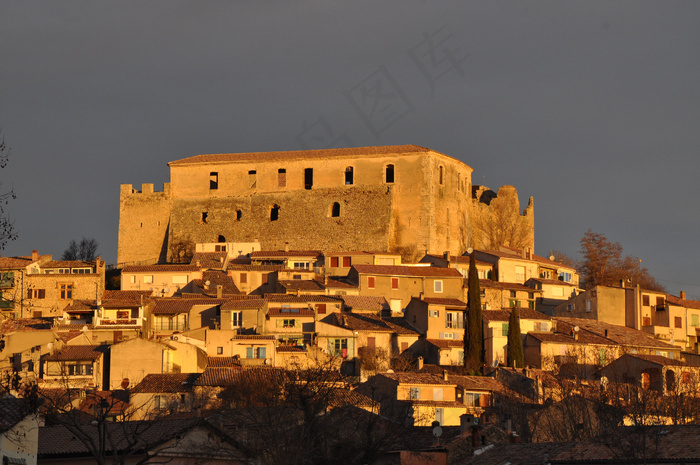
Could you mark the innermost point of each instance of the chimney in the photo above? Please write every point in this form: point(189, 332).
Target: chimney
point(446, 256)
point(35, 255)
point(682, 295)
point(622, 283)
point(420, 363)
point(219, 291)
point(98, 260)
point(523, 253)
point(286, 246)
point(444, 375)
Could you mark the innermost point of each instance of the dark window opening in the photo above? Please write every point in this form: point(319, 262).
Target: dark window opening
point(252, 179)
point(308, 178)
point(274, 213)
point(239, 215)
point(335, 210)
point(389, 177)
point(349, 176)
point(204, 217)
point(441, 176)
point(213, 180)
point(221, 238)
point(282, 177)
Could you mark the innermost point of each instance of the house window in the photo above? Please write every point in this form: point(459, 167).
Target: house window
point(335, 210)
point(504, 329)
point(415, 393)
point(205, 217)
point(687, 379)
point(132, 279)
point(148, 279)
point(334, 262)
point(236, 319)
point(255, 352)
point(347, 262)
point(389, 174)
point(645, 300)
point(695, 320)
point(660, 302)
point(349, 176)
point(588, 306)
point(290, 323)
point(36, 294)
point(321, 309)
point(281, 177)
point(338, 347)
point(213, 180)
point(239, 215)
point(244, 278)
point(513, 294)
point(394, 283)
point(220, 350)
point(603, 357)
point(180, 279)
point(646, 321)
point(433, 313)
point(454, 320)
point(308, 178)
point(66, 291)
point(159, 402)
point(252, 179)
point(370, 282)
point(678, 322)
point(371, 342)
point(437, 286)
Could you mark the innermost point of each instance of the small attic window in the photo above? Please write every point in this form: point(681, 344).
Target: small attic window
point(213, 180)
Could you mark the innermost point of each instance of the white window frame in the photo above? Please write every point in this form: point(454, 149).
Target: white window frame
point(437, 286)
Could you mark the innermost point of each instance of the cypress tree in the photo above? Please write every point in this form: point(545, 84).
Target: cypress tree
point(515, 341)
point(473, 322)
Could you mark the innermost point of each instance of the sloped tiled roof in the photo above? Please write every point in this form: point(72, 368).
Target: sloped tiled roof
point(263, 254)
point(304, 285)
point(355, 152)
point(659, 360)
point(287, 298)
point(446, 343)
point(67, 264)
point(487, 283)
point(217, 278)
point(166, 382)
point(249, 268)
point(277, 312)
point(673, 300)
point(338, 282)
point(362, 302)
point(81, 306)
point(523, 313)
point(214, 260)
point(14, 263)
point(223, 362)
point(553, 282)
point(417, 378)
point(117, 299)
point(81, 352)
point(160, 268)
point(174, 306)
point(443, 301)
point(243, 304)
point(12, 411)
point(619, 334)
point(232, 376)
point(418, 271)
point(361, 322)
point(11, 325)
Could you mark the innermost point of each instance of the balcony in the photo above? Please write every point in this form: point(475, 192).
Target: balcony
point(135, 322)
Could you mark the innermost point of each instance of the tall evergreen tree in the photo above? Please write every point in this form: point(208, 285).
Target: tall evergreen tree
point(515, 341)
point(473, 327)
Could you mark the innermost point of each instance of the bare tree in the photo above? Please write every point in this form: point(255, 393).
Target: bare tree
point(85, 250)
point(604, 264)
point(7, 230)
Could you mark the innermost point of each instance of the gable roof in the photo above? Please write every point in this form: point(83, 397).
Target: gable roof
point(214, 260)
point(78, 353)
point(174, 306)
point(12, 411)
point(11, 325)
point(354, 152)
point(523, 313)
point(166, 383)
point(159, 268)
point(362, 302)
point(262, 254)
point(417, 378)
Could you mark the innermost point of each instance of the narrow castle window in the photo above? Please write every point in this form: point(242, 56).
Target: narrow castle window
point(274, 212)
point(308, 178)
point(335, 210)
point(282, 177)
point(252, 179)
point(349, 176)
point(239, 215)
point(204, 217)
point(213, 180)
point(389, 175)
point(441, 175)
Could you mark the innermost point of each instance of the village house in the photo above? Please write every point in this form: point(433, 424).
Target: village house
point(310, 260)
point(552, 293)
point(161, 280)
point(513, 265)
point(498, 295)
point(484, 270)
point(376, 305)
point(254, 279)
point(398, 284)
point(26, 341)
point(77, 367)
point(170, 316)
point(38, 286)
point(655, 372)
point(19, 432)
point(496, 324)
point(122, 310)
point(158, 395)
point(339, 263)
point(441, 323)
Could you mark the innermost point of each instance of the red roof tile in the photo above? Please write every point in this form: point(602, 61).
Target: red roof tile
point(166, 382)
point(523, 314)
point(78, 353)
point(418, 271)
point(160, 268)
point(263, 254)
point(361, 302)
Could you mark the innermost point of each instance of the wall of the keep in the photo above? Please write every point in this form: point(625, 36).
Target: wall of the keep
point(143, 225)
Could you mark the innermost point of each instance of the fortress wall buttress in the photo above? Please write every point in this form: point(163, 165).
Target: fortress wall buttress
point(304, 219)
point(143, 224)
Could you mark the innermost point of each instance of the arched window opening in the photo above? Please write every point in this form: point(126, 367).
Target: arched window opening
point(221, 238)
point(274, 213)
point(335, 210)
point(349, 176)
point(389, 175)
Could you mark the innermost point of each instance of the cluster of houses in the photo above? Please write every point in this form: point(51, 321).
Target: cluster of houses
point(175, 335)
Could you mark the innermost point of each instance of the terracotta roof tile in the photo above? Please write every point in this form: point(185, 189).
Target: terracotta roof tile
point(286, 298)
point(243, 304)
point(446, 343)
point(214, 260)
point(443, 301)
point(417, 378)
point(11, 325)
point(12, 411)
point(263, 254)
point(487, 283)
point(223, 362)
point(617, 334)
point(673, 300)
point(79, 353)
point(166, 382)
point(262, 268)
point(354, 152)
point(125, 298)
point(361, 302)
point(159, 268)
point(304, 285)
point(523, 314)
point(67, 264)
point(290, 312)
point(14, 263)
point(233, 376)
point(175, 306)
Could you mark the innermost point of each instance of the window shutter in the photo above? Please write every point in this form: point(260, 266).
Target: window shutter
point(280, 323)
point(262, 352)
point(248, 352)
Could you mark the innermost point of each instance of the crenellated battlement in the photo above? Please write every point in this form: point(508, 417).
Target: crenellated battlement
point(146, 188)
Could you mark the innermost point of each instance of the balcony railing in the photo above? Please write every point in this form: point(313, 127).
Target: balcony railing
point(119, 321)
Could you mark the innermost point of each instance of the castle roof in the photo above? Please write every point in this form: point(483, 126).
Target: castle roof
point(353, 152)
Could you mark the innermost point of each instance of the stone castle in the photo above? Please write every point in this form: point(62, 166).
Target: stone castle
point(405, 199)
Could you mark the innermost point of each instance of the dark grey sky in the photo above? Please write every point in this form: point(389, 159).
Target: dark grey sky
point(592, 107)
